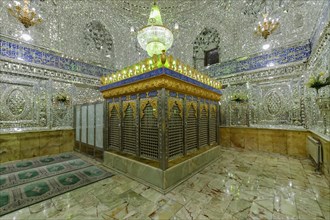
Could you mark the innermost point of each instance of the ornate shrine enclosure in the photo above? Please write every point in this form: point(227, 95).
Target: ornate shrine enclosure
point(160, 116)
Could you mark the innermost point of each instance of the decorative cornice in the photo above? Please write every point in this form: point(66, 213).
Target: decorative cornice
point(276, 57)
point(154, 73)
point(321, 25)
point(36, 71)
point(261, 75)
point(160, 64)
point(323, 43)
point(161, 81)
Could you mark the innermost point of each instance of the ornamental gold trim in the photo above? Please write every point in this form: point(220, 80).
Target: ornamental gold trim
point(162, 81)
point(160, 61)
point(193, 105)
point(170, 60)
point(203, 106)
point(133, 106)
point(213, 110)
point(116, 106)
point(144, 103)
point(171, 102)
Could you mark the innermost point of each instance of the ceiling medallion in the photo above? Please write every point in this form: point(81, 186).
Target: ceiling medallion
point(28, 17)
point(266, 27)
point(155, 37)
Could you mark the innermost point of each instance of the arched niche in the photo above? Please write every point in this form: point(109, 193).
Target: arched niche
point(206, 48)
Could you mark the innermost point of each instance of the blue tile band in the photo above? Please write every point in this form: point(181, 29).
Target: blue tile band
point(31, 55)
point(275, 57)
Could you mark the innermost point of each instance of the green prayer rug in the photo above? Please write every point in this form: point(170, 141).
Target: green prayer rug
point(25, 176)
point(32, 163)
point(29, 186)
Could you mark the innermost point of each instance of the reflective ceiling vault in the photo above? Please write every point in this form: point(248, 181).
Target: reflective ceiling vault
point(104, 31)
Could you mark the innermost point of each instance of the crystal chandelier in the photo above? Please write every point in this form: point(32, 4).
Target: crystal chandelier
point(154, 38)
point(267, 27)
point(28, 17)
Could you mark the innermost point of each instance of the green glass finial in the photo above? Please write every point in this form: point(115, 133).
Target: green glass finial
point(155, 18)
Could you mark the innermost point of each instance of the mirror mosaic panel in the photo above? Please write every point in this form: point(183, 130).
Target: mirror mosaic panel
point(280, 97)
point(36, 98)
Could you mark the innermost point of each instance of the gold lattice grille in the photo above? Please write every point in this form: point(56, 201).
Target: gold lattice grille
point(203, 128)
point(129, 131)
point(114, 129)
point(213, 124)
point(191, 130)
point(149, 133)
point(175, 132)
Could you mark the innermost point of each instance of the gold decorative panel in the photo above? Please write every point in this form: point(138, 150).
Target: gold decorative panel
point(174, 101)
point(116, 106)
point(191, 104)
point(144, 103)
point(133, 106)
point(203, 106)
point(213, 108)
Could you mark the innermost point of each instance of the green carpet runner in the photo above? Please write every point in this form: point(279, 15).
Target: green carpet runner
point(25, 187)
point(38, 162)
point(25, 176)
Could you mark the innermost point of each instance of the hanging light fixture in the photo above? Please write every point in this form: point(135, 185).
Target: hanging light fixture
point(154, 38)
point(266, 27)
point(28, 17)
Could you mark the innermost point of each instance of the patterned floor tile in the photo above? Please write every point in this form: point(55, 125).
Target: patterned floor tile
point(239, 185)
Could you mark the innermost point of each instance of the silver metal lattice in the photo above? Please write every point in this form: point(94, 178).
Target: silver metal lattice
point(191, 131)
point(129, 132)
point(203, 128)
point(213, 126)
point(175, 133)
point(114, 129)
point(149, 134)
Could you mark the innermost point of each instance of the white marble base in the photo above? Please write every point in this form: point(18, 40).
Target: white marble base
point(163, 181)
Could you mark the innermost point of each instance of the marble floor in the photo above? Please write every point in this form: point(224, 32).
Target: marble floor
point(239, 185)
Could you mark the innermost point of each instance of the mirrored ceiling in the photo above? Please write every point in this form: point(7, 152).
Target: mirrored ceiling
point(103, 32)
